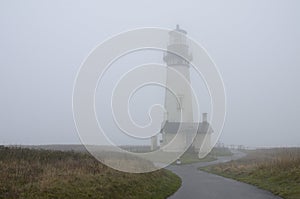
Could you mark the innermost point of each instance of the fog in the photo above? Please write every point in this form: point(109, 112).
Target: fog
point(255, 45)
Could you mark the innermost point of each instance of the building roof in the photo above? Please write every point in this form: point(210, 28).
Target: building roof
point(173, 127)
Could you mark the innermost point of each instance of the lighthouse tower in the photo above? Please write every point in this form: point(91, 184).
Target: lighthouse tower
point(179, 103)
point(178, 120)
point(178, 100)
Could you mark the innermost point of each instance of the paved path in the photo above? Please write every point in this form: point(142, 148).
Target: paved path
point(201, 185)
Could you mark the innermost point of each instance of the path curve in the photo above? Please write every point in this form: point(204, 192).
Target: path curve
point(201, 185)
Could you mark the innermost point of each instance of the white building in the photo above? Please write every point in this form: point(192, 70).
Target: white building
point(178, 103)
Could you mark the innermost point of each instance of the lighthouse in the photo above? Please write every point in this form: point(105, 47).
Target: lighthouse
point(178, 104)
point(178, 119)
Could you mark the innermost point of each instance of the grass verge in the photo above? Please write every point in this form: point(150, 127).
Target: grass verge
point(276, 170)
point(28, 173)
point(190, 156)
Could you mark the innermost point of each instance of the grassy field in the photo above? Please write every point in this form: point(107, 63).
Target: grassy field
point(29, 173)
point(190, 157)
point(276, 170)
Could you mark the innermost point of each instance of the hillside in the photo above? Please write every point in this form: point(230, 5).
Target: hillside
point(32, 173)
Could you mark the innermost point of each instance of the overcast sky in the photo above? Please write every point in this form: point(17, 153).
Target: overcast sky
point(255, 44)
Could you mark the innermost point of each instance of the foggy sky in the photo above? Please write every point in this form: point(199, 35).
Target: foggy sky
point(255, 44)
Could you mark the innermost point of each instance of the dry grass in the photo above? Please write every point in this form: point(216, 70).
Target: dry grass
point(277, 170)
point(27, 173)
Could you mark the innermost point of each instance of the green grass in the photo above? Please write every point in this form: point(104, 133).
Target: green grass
point(276, 170)
point(28, 173)
point(190, 157)
point(220, 151)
